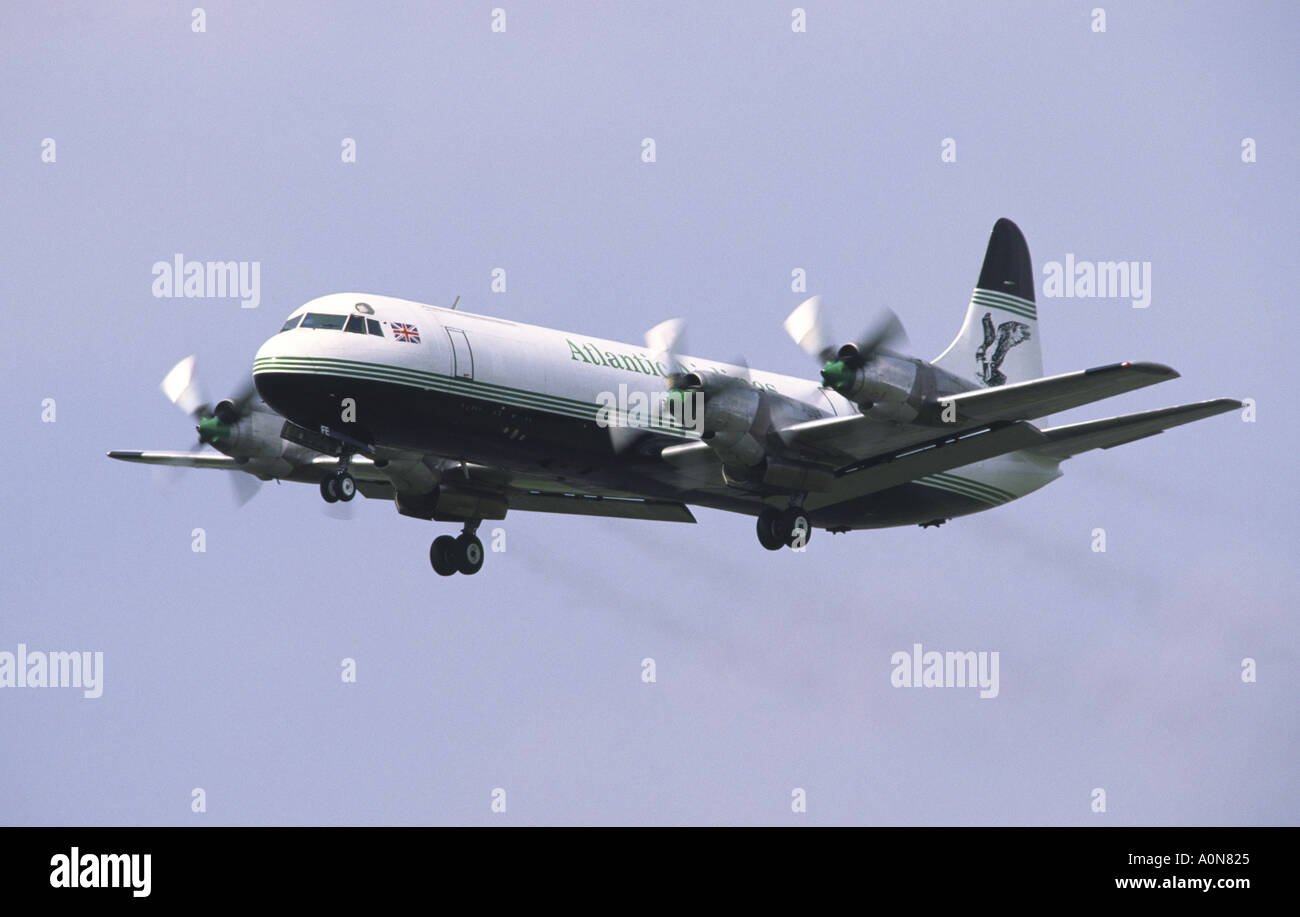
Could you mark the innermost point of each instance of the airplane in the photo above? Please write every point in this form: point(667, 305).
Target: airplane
point(458, 417)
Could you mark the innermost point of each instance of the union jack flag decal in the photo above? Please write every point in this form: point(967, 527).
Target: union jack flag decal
point(404, 332)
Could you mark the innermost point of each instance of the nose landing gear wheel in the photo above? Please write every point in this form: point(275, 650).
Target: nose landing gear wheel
point(329, 489)
point(444, 555)
point(345, 486)
point(470, 551)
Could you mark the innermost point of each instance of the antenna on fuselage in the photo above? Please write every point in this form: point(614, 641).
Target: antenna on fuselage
point(453, 305)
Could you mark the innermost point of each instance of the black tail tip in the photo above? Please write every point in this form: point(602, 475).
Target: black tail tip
point(1007, 268)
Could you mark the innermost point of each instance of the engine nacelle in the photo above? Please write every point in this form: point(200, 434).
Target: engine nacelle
point(777, 476)
point(256, 435)
point(726, 423)
point(729, 407)
point(709, 402)
point(884, 386)
point(447, 503)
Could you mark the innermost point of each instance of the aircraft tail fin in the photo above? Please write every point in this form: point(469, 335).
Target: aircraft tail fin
point(998, 342)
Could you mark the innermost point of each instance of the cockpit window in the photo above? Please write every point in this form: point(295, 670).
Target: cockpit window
point(320, 320)
point(292, 322)
point(356, 324)
point(374, 328)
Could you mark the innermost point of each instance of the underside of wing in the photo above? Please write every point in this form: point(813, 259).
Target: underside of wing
point(583, 504)
point(1063, 442)
point(177, 459)
point(528, 495)
point(931, 458)
point(374, 482)
point(1040, 397)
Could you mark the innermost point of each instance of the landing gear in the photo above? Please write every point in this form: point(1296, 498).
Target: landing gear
point(794, 526)
point(442, 555)
point(767, 535)
point(469, 551)
point(464, 554)
point(781, 528)
point(340, 485)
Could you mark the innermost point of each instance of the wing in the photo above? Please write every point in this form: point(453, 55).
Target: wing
point(363, 469)
point(1040, 397)
point(1063, 442)
point(896, 468)
point(856, 437)
point(522, 495)
point(177, 459)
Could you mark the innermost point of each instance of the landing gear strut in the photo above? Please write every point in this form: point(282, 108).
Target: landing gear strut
point(463, 554)
point(781, 528)
point(340, 485)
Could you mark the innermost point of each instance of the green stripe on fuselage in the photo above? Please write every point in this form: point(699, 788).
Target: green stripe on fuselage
point(453, 385)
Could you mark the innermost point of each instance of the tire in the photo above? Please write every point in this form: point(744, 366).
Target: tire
point(444, 555)
point(794, 525)
point(767, 534)
point(328, 491)
point(469, 552)
point(345, 486)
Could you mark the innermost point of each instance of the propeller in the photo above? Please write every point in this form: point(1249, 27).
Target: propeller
point(664, 341)
point(182, 387)
point(808, 327)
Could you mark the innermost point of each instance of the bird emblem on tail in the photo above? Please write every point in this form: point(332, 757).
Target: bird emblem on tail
point(1007, 335)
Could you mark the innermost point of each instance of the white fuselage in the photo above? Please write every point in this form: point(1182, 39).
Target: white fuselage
point(483, 389)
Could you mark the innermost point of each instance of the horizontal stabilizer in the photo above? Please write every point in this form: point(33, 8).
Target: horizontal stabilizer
point(1040, 397)
point(1074, 438)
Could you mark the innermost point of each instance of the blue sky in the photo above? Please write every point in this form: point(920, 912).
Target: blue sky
point(775, 150)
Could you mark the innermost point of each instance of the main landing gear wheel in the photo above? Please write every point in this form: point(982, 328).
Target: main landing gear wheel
point(781, 528)
point(793, 527)
point(338, 486)
point(444, 555)
point(448, 555)
point(469, 554)
point(767, 534)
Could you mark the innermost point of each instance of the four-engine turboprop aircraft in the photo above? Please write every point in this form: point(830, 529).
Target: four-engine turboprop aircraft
point(459, 417)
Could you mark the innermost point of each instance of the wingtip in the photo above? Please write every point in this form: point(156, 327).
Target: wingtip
point(1146, 366)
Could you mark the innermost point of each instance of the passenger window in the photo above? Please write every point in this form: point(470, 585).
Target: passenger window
point(318, 320)
point(374, 328)
point(292, 323)
point(356, 324)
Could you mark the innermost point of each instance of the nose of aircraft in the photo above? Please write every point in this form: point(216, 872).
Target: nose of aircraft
point(296, 373)
point(273, 377)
